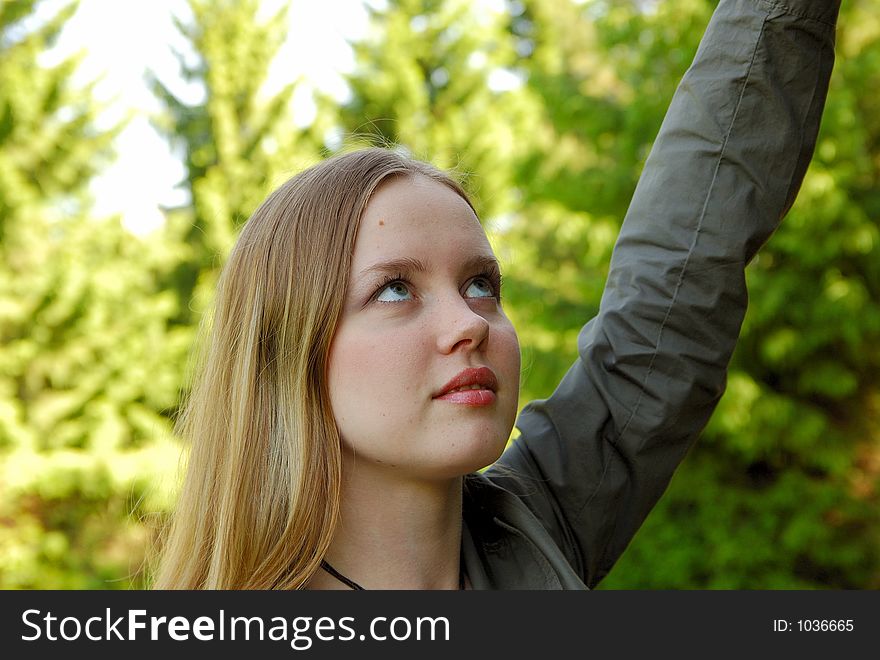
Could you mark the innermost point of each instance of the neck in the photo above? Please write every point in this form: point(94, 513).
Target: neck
point(395, 533)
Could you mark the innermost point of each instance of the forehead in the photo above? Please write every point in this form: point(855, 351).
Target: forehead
point(417, 217)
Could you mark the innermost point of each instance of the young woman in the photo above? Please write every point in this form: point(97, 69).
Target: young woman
point(361, 368)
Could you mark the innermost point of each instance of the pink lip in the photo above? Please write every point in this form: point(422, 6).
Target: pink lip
point(482, 376)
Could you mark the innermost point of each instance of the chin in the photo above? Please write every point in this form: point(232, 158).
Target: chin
point(475, 455)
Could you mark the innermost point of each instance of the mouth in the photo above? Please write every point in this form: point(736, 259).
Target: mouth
point(471, 387)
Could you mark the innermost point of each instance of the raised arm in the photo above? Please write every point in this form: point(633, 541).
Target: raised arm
point(725, 168)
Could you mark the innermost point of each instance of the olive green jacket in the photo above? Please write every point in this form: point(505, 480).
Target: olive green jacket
point(564, 500)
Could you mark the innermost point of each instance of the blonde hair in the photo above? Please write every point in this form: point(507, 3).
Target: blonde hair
point(261, 496)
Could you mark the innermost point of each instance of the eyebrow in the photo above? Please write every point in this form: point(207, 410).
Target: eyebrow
point(408, 265)
point(405, 264)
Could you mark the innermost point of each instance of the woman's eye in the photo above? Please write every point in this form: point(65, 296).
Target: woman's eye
point(480, 287)
point(394, 292)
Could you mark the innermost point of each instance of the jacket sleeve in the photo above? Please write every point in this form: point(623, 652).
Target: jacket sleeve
point(593, 459)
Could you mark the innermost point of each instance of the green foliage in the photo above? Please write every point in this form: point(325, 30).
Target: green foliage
point(237, 142)
point(423, 81)
point(50, 150)
point(735, 526)
point(86, 362)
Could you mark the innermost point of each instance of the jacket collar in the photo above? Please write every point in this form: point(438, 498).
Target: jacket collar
point(504, 546)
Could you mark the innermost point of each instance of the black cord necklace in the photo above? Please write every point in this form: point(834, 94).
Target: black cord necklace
point(351, 584)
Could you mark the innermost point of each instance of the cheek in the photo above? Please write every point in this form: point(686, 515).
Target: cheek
point(507, 360)
point(507, 352)
point(375, 371)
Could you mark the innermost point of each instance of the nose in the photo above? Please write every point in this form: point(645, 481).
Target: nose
point(460, 328)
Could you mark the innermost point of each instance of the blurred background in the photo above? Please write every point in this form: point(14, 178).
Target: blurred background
point(136, 138)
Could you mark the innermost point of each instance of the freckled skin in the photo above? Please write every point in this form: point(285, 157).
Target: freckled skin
point(388, 360)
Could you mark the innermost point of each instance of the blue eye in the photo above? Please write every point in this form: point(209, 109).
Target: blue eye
point(480, 287)
point(396, 291)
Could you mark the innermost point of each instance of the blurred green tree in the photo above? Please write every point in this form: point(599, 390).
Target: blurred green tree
point(83, 346)
point(238, 141)
point(433, 77)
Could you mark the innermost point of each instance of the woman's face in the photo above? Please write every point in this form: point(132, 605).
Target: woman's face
point(422, 320)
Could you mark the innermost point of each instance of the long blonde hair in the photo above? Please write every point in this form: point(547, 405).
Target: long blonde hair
point(261, 496)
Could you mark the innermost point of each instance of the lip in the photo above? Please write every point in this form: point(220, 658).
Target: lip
point(482, 376)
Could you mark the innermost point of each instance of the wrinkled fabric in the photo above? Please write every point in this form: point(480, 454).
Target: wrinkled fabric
point(564, 500)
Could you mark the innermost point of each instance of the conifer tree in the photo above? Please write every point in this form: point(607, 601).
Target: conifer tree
point(238, 142)
point(427, 79)
point(84, 353)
